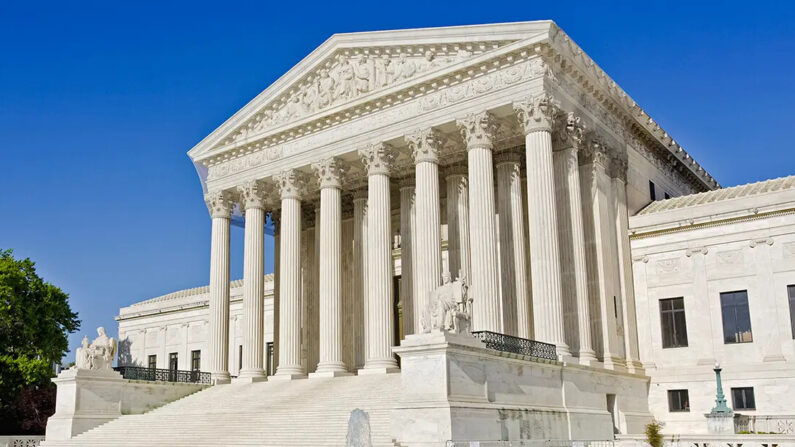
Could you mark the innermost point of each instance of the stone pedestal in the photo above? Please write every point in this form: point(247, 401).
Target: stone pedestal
point(720, 423)
point(85, 399)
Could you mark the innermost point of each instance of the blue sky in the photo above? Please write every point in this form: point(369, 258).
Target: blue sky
point(100, 102)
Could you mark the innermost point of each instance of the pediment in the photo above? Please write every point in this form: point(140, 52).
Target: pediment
point(349, 67)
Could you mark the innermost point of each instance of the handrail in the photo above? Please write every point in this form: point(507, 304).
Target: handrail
point(517, 345)
point(163, 375)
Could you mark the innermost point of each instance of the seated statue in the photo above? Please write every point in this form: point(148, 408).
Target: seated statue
point(449, 307)
point(98, 355)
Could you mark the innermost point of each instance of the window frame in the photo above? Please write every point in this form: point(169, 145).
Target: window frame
point(151, 360)
point(678, 393)
point(673, 313)
point(735, 316)
point(196, 360)
point(791, 298)
point(173, 358)
point(744, 390)
point(652, 191)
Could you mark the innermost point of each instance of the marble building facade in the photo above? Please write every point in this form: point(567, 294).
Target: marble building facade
point(500, 154)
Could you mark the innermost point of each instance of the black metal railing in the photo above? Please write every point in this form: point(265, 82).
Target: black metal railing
point(516, 345)
point(163, 375)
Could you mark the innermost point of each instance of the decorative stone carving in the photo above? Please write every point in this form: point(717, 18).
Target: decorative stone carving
point(618, 165)
point(761, 241)
point(537, 113)
point(449, 308)
point(478, 129)
point(667, 266)
point(568, 131)
point(252, 195)
point(378, 158)
point(98, 355)
point(219, 203)
point(330, 172)
point(291, 183)
point(594, 150)
point(425, 145)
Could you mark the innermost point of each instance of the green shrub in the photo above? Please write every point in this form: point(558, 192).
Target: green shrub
point(653, 436)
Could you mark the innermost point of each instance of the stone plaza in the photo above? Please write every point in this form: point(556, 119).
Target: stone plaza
point(479, 237)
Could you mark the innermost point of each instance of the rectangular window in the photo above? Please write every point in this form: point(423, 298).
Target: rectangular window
point(743, 398)
point(269, 358)
point(195, 360)
point(672, 323)
point(152, 360)
point(172, 361)
point(678, 401)
point(652, 193)
point(667, 196)
point(736, 317)
point(791, 293)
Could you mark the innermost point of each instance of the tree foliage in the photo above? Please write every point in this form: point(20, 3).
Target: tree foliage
point(35, 320)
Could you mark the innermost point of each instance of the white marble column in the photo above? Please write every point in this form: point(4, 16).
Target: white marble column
point(535, 117)
point(377, 159)
point(619, 166)
point(220, 206)
point(291, 185)
point(572, 232)
point(360, 275)
point(458, 222)
point(309, 288)
point(513, 272)
point(478, 133)
point(425, 145)
point(252, 202)
point(408, 227)
point(329, 173)
point(275, 216)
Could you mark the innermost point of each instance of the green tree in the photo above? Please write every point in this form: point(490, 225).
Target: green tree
point(35, 320)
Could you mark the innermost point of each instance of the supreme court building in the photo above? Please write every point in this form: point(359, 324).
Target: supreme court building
point(499, 156)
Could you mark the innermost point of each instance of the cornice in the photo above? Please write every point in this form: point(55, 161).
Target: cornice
point(690, 226)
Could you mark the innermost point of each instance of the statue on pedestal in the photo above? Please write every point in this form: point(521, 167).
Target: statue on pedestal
point(449, 308)
point(99, 354)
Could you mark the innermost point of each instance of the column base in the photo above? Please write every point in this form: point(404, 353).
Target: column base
point(285, 377)
point(367, 371)
point(220, 378)
point(328, 374)
point(249, 379)
point(588, 358)
point(615, 363)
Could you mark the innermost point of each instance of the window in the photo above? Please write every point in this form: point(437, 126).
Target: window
point(667, 196)
point(678, 401)
point(152, 360)
point(195, 360)
point(743, 398)
point(736, 317)
point(652, 193)
point(269, 358)
point(239, 358)
point(791, 293)
point(172, 361)
point(672, 323)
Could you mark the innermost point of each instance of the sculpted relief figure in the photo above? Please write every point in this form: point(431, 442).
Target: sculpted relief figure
point(383, 71)
point(346, 84)
point(449, 308)
point(325, 89)
point(362, 76)
point(404, 68)
point(430, 62)
point(99, 354)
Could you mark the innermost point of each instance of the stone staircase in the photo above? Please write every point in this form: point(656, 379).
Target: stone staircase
point(311, 412)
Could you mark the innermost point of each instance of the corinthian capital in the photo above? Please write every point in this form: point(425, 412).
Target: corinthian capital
point(425, 145)
point(478, 130)
point(330, 172)
point(220, 203)
point(252, 195)
point(537, 113)
point(594, 150)
point(618, 166)
point(377, 158)
point(291, 183)
point(568, 131)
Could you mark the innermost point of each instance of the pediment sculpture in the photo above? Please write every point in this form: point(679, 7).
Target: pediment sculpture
point(97, 355)
point(449, 307)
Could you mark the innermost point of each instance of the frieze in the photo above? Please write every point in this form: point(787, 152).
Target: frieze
point(350, 74)
point(666, 266)
point(527, 70)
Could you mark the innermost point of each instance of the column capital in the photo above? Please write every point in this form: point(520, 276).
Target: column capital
point(360, 194)
point(478, 130)
point(407, 182)
point(537, 113)
point(330, 172)
point(425, 145)
point(220, 203)
point(507, 158)
point(291, 183)
point(252, 195)
point(568, 131)
point(618, 166)
point(378, 158)
point(594, 150)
